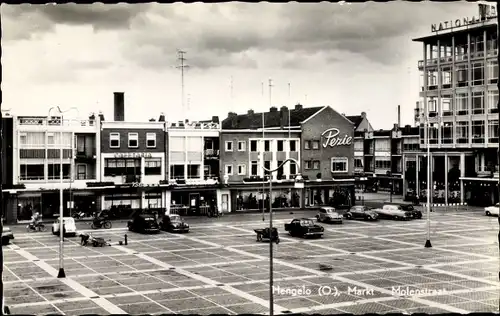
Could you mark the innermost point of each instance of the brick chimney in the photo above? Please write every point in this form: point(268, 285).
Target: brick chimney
point(161, 118)
point(101, 116)
point(215, 119)
point(273, 109)
point(119, 98)
point(363, 114)
point(250, 112)
point(284, 117)
point(233, 119)
point(298, 106)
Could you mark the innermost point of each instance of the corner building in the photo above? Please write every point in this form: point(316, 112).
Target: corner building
point(459, 91)
point(319, 138)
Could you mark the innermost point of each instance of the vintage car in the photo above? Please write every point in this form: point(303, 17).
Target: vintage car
point(7, 235)
point(408, 207)
point(304, 227)
point(392, 211)
point(361, 212)
point(492, 210)
point(328, 214)
point(144, 223)
point(174, 223)
point(68, 225)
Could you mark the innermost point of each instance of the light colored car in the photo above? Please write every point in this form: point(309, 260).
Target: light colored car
point(7, 235)
point(69, 226)
point(393, 211)
point(329, 215)
point(492, 210)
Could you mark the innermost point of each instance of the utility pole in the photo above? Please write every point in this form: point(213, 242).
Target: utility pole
point(182, 66)
point(270, 91)
point(498, 110)
point(2, 212)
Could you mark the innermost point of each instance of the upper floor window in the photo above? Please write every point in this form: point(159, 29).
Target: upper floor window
point(493, 101)
point(492, 71)
point(461, 75)
point(152, 166)
point(242, 170)
point(280, 145)
point(133, 140)
point(307, 144)
point(50, 139)
point(339, 164)
point(242, 146)
point(253, 145)
point(293, 145)
point(293, 168)
point(229, 146)
point(477, 73)
point(267, 145)
point(151, 140)
point(114, 140)
point(229, 170)
point(23, 139)
point(315, 144)
point(254, 168)
point(358, 163)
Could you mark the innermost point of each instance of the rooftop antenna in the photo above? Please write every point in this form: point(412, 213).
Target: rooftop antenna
point(182, 66)
point(289, 123)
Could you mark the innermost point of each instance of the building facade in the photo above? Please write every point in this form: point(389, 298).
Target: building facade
point(459, 98)
point(319, 139)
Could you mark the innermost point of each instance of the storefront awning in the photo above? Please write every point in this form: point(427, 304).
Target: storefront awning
point(479, 179)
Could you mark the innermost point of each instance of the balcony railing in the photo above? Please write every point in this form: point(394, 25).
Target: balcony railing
point(85, 154)
point(211, 153)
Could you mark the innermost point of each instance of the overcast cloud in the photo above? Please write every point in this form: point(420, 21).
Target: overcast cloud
point(97, 47)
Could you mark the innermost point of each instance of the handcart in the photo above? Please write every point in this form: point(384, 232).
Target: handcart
point(94, 241)
point(263, 234)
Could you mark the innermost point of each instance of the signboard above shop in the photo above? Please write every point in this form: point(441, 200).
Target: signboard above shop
point(486, 12)
point(133, 155)
point(332, 139)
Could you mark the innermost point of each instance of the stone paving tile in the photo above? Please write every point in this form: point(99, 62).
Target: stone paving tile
point(251, 308)
point(35, 310)
point(296, 302)
point(478, 295)
point(327, 311)
point(366, 308)
point(207, 311)
point(76, 306)
point(194, 303)
point(143, 308)
point(475, 307)
point(403, 304)
point(88, 311)
point(426, 310)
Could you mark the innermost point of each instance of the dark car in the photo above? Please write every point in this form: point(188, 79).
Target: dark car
point(304, 227)
point(408, 208)
point(7, 235)
point(174, 223)
point(144, 223)
point(361, 212)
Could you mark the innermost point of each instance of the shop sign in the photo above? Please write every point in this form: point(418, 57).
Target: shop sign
point(133, 155)
point(485, 12)
point(332, 138)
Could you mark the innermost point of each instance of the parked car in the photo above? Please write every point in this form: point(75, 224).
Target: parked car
point(144, 223)
point(68, 225)
point(174, 223)
point(304, 227)
point(7, 235)
point(361, 212)
point(392, 211)
point(409, 208)
point(492, 210)
point(328, 214)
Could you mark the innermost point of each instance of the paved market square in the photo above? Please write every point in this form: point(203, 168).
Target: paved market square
point(220, 268)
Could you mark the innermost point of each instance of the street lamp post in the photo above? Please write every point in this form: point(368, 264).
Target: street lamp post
point(427, 132)
point(61, 273)
point(298, 184)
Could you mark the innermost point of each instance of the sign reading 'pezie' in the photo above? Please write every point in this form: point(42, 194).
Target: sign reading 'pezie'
point(332, 138)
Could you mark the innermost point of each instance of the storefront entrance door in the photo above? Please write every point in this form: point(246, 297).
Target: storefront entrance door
point(194, 203)
point(225, 199)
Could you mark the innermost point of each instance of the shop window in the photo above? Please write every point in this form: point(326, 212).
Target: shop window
point(242, 170)
point(229, 170)
point(229, 146)
point(114, 140)
point(152, 166)
point(253, 145)
point(151, 140)
point(242, 146)
point(27, 206)
point(280, 145)
point(339, 164)
point(177, 172)
point(254, 168)
point(133, 140)
point(293, 145)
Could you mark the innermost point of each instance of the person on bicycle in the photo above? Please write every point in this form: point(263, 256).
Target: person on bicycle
point(36, 219)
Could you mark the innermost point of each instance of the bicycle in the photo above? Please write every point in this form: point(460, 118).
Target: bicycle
point(100, 224)
point(40, 227)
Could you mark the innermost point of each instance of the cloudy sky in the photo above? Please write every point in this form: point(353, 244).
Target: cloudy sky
point(353, 57)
